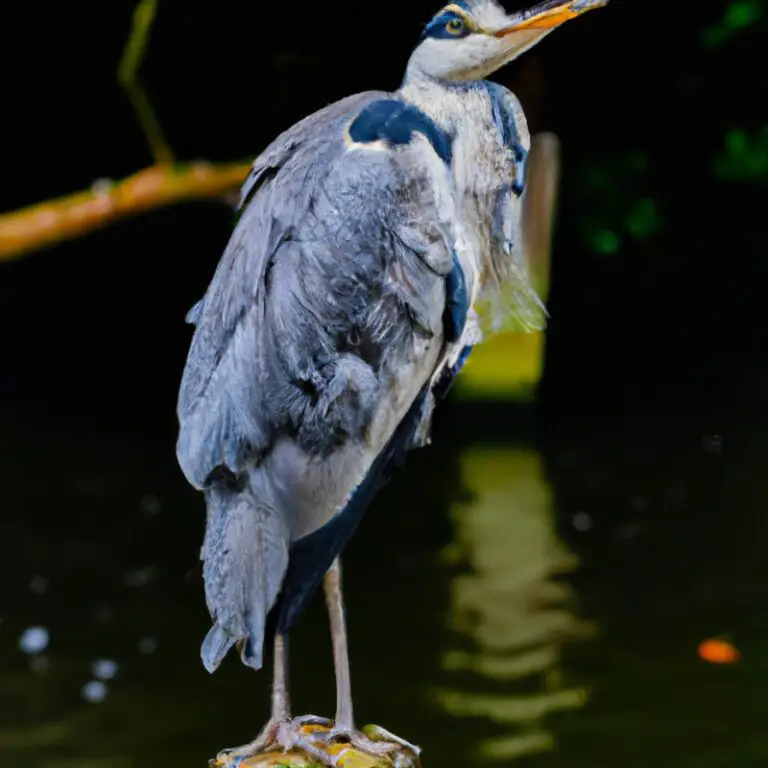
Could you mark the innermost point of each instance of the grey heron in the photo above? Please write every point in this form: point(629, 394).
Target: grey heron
point(342, 308)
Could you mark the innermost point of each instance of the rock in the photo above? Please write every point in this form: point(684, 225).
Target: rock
point(339, 754)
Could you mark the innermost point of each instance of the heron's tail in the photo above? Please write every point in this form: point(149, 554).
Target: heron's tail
point(245, 556)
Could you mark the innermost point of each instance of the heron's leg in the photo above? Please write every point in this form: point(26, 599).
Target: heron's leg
point(281, 699)
point(334, 600)
point(315, 736)
point(281, 710)
point(344, 726)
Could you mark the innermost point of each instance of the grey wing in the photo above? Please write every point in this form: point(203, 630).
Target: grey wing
point(333, 273)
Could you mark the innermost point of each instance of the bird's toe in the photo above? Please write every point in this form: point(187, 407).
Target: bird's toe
point(324, 743)
point(372, 746)
point(376, 733)
point(311, 720)
point(234, 757)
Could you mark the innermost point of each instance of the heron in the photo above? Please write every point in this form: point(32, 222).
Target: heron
point(343, 307)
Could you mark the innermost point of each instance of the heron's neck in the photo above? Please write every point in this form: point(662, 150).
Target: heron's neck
point(448, 104)
point(483, 117)
point(490, 142)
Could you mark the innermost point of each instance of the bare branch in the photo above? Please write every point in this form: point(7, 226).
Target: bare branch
point(66, 218)
point(162, 184)
point(127, 75)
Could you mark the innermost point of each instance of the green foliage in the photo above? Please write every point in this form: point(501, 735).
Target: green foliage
point(643, 219)
point(617, 203)
point(745, 156)
point(127, 75)
point(605, 241)
point(739, 15)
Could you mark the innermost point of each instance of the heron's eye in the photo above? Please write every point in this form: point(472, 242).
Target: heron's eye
point(455, 26)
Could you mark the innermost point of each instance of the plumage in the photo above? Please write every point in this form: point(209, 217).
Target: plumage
point(328, 315)
point(456, 302)
point(490, 145)
point(312, 555)
point(370, 237)
point(322, 323)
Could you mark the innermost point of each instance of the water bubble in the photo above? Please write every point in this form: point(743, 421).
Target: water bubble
point(713, 444)
point(38, 585)
point(34, 640)
point(582, 521)
point(150, 504)
point(94, 691)
point(147, 645)
point(629, 531)
point(139, 577)
point(594, 482)
point(104, 614)
point(677, 495)
point(39, 664)
point(104, 669)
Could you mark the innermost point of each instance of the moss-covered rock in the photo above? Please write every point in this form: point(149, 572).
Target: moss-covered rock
point(339, 754)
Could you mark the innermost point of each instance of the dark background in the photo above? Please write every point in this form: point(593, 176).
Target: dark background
point(643, 95)
point(649, 423)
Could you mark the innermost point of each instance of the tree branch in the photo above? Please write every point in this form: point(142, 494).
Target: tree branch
point(162, 184)
point(127, 75)
point(72, 216)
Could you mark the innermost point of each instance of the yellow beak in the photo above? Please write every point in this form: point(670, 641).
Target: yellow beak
point(550, 14)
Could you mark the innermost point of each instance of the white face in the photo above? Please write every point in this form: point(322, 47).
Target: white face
point(473, 58)
point(470, 39)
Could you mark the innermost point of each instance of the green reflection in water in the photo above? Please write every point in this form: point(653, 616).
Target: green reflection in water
point(509, 612)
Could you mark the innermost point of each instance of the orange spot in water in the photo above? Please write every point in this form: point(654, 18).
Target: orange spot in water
point(719, 652)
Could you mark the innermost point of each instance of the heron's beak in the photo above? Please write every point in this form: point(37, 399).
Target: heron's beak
point(531, 25)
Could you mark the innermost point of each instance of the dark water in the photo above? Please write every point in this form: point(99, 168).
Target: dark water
point(526, 601)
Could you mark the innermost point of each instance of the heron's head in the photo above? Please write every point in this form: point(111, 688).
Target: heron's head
point(470, 39)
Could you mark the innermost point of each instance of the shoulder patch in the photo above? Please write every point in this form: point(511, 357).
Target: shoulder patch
point(395, 122)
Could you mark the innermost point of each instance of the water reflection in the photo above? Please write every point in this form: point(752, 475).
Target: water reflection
point(461, 612)
point(509, 612)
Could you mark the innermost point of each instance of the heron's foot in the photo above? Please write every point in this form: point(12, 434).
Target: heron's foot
point(322, 743)
point(378, 734)
point(277, 736)
point(350, 746)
